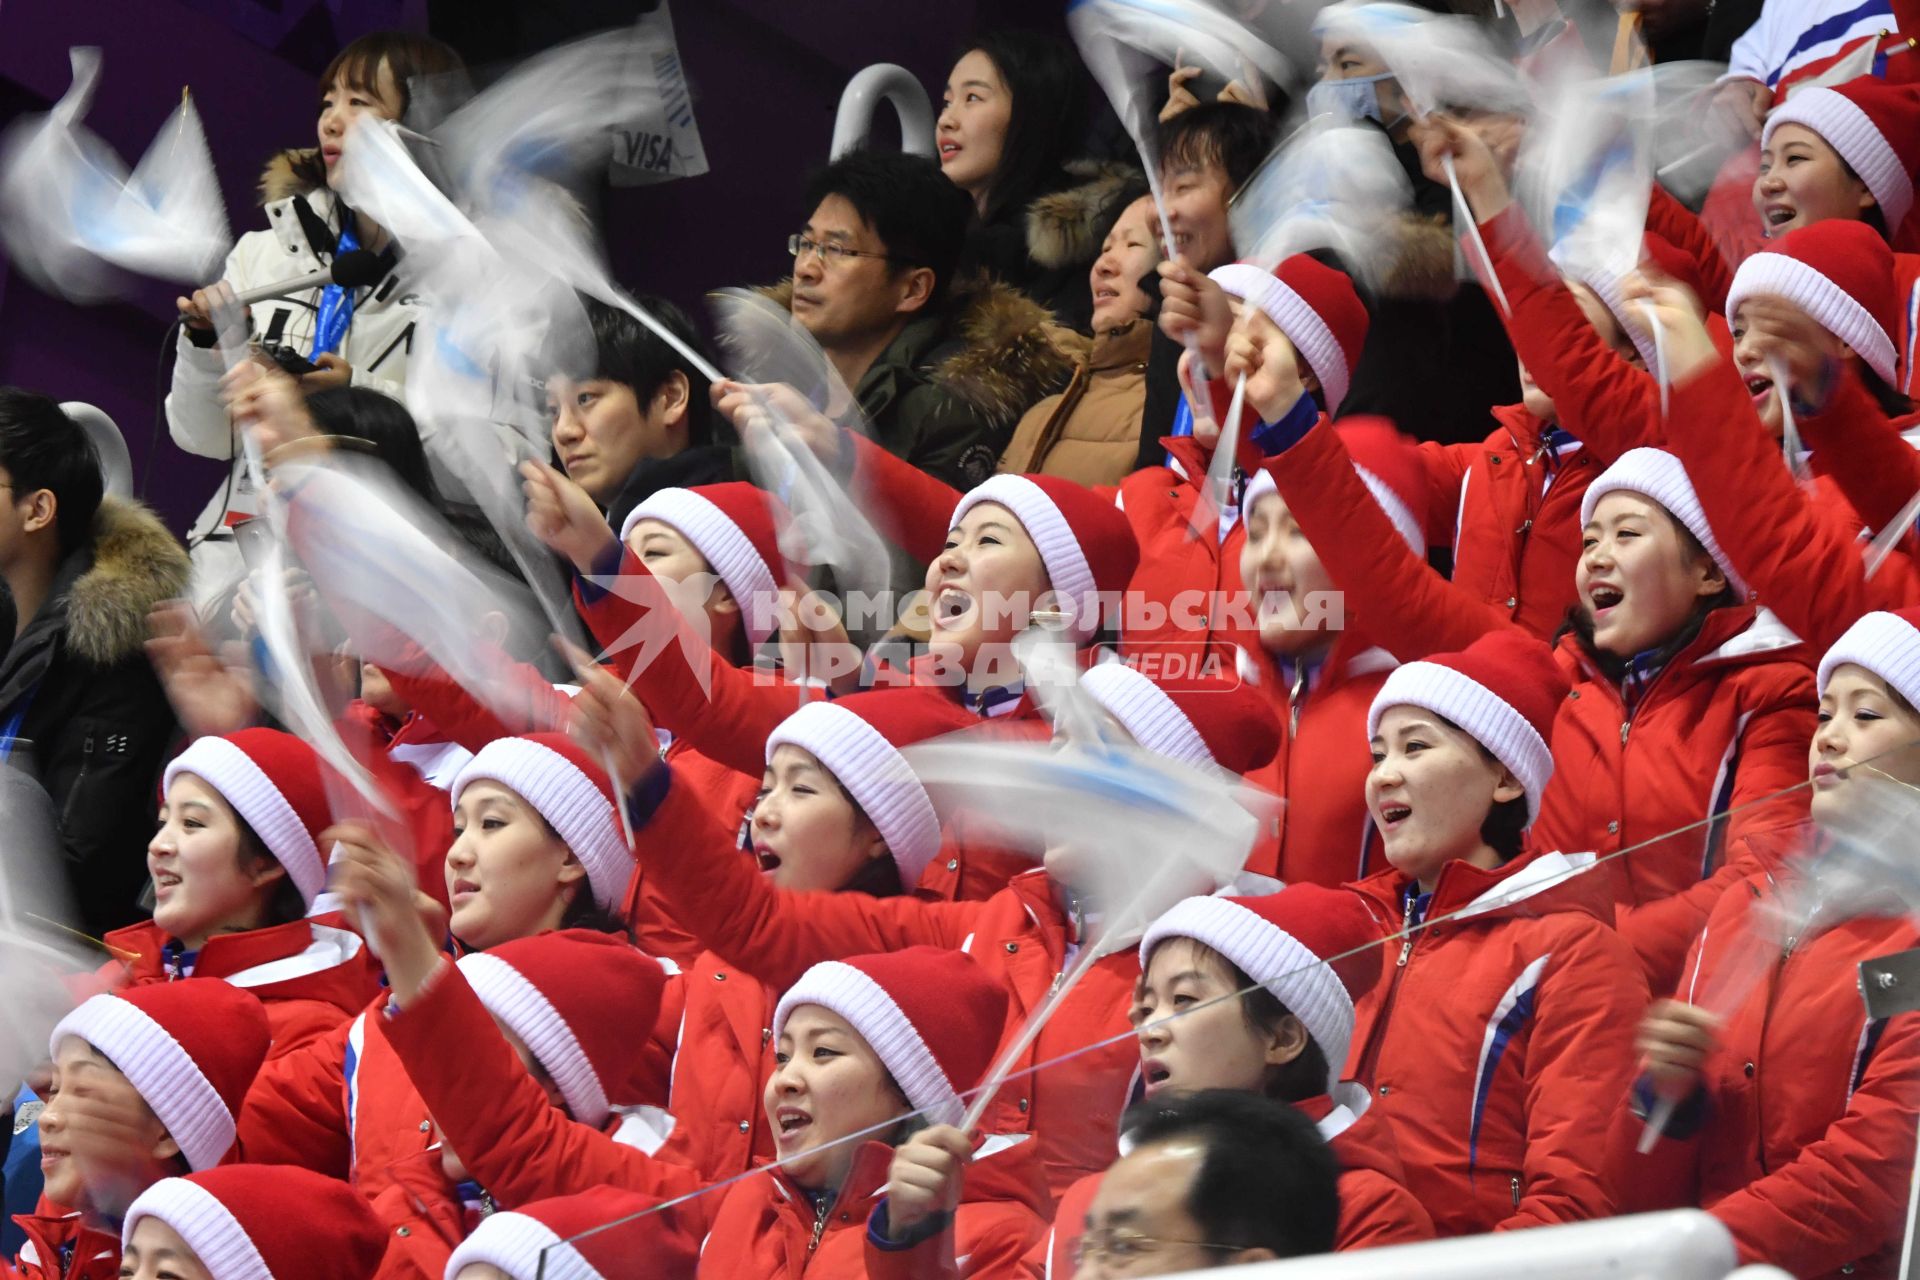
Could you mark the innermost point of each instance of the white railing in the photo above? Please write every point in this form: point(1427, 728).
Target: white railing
point(884, 82)
point(1684, 1244)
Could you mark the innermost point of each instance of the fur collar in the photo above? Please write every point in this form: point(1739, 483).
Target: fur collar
point(1065, 227)
point(137, 563)
point(297, 171)
point(994, 353)
point(999, 360)
point(1422, 265)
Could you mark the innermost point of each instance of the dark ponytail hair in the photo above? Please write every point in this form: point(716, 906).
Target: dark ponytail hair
point(1892, 401)
point(285, 905)
point(877, 877)
point(1504, 828)
point(584, 912)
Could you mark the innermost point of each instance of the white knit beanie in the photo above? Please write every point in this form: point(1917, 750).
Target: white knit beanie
point(1657, 474)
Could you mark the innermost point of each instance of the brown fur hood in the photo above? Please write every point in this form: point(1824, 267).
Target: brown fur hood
point(136, 565)
point(1422, 265)
point(996, 355)
point(297, 171)
point(1065, 227)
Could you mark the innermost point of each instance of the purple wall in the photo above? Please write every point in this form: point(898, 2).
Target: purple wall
point(766, 77)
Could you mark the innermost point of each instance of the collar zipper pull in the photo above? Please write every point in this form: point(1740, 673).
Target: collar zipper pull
point(820, 1216)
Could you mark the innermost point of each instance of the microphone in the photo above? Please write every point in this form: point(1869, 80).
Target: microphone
point(354, 269)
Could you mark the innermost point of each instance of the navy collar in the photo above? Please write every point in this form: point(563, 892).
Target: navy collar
point(176, 960)
point(997, 701)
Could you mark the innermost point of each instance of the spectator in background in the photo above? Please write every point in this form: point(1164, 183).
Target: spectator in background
point(1091, 431)
point(1437, 358)
point(1215, 1178)
point(1206, 153)
point(1013, 117)
point(80, 708)
point(343, 336)
point(641, 419)
point(940, 368)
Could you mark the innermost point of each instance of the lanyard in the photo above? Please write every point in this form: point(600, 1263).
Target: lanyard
point(336, 306)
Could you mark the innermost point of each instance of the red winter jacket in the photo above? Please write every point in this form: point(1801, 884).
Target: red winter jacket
point(730, 721)
point(768, 1228)
point(1697, 763)
point(545, 708)
point(342, 1106)
point(1679, 225)
point(523, 1149)
point(510, 1137)
point(1171, 598)
point(346, 1106)
point(1020, 934)
point(425, 1220)
point(721, 1064)
point(311, 975)
point(96, 1253)
point(1725, 723)
point(1326, 836)
point(1177, 598)
point(1510, 509)
point(1375, 1206)
point(1806, 1143)
point(1803, 557)
point(1489, 1039)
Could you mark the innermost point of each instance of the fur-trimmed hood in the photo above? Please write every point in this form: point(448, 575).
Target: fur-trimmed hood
point(997, 356)
point(297, 171)
point(1065, 227)
point(137, 564)
point(992, 352)
point(1422, 265)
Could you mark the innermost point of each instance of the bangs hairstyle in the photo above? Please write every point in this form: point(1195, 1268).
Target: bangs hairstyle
point(1580, 623)
point(916, 213)
point(1047, 86)
point(410, 58)
point(1228, 134)
point(1296, 1081)
point(627, 352)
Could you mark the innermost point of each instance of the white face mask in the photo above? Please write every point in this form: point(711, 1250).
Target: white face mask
point(1353, 100)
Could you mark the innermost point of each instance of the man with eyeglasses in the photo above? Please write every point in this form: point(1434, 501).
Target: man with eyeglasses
point(942, 368)
point(1215, 1178)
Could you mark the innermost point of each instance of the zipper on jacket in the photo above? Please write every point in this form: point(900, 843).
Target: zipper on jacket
point(1516, 1191)
point(1293, 702)
point(1379, 1030)
point(73, 792)
point(820, 1216)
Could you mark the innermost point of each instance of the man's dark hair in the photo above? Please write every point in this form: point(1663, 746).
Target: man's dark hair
point(1230, 134)
point(918, 215)
point(1048, 85)
point(1268, 1179)
point(42, 448)
point(627, 352)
